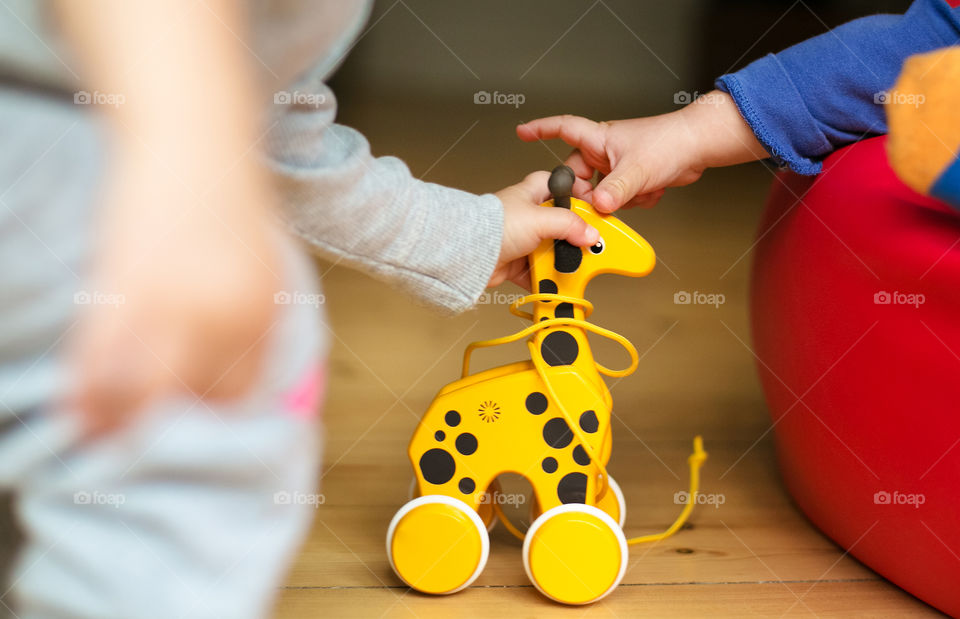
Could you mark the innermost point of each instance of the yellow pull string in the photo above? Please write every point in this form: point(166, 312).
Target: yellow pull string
point(549, 296)
point(557, 322)
point(514, 531)
point(695, 460)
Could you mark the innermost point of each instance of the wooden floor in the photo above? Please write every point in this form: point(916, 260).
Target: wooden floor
point(753, 555)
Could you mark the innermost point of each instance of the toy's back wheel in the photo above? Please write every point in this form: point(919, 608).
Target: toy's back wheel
point(437, 544)
point(614, 503)
point(575, 554)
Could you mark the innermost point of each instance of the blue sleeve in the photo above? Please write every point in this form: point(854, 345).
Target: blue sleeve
point(814, 97)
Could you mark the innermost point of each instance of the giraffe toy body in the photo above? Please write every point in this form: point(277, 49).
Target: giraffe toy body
point(546, 418)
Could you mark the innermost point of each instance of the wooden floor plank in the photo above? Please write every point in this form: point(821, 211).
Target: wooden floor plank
point(734, 599)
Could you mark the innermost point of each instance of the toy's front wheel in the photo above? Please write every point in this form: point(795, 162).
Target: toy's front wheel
point(575, 554)
point(486, 511)
point(437, 544)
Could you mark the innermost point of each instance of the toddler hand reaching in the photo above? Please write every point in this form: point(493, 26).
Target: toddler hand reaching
point(638, 158)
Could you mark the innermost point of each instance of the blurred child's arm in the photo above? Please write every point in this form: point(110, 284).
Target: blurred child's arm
point(440, 244)
point(184, 230)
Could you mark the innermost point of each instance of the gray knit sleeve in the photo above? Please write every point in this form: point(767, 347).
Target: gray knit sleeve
point(437, 243)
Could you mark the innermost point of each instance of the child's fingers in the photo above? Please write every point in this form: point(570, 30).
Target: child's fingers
point(582, 189)
point(560, 223)
point(112, 389)
point(580, 167)
point(522, 279)
point(534, 186)
point(618, 187)
point(574, 130)
point(519, 273)
point(583, 172)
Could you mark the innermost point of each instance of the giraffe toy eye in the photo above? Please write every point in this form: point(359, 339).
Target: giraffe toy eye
point(598, 248)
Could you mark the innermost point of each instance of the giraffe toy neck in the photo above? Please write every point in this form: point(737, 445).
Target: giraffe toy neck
point(564, 345)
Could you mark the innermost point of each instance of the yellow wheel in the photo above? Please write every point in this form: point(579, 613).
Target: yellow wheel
point(613, 503)
point(575, 554)
point(437, 544)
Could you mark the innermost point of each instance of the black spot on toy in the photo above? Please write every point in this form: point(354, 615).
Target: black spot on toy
point(466, 443)
point(547, 286)
point(452, 418)
point(564, 310)
point(580, 456)
point(440, 435)
point(549, 465)
point(559, 348)
point(437, 466)
point(572, 488)
point(557, 433)
point(566, 257)
point(467, 485)
point(536, 403)
point(589, 422)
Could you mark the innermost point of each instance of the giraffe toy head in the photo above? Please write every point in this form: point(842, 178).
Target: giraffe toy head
point(558, 266)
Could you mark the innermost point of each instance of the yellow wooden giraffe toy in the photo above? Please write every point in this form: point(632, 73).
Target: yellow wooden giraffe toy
point(547, 419)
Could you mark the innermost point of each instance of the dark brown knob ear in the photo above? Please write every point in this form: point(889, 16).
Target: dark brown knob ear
point(561, 185)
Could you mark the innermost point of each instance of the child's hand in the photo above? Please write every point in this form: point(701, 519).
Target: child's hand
point(185, 229)
point(642, 156)
point(197, 284)
point(526, 224)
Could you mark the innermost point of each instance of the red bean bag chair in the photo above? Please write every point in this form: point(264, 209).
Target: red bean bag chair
point(855, 307)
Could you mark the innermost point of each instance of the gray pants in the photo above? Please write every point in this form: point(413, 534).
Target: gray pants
point(192, 510)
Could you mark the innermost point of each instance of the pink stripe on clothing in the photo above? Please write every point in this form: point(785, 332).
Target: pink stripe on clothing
point(303, 400)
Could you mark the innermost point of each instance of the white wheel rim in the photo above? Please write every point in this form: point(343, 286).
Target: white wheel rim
point(587, 509)
point(621, 500)
point(442, 500)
